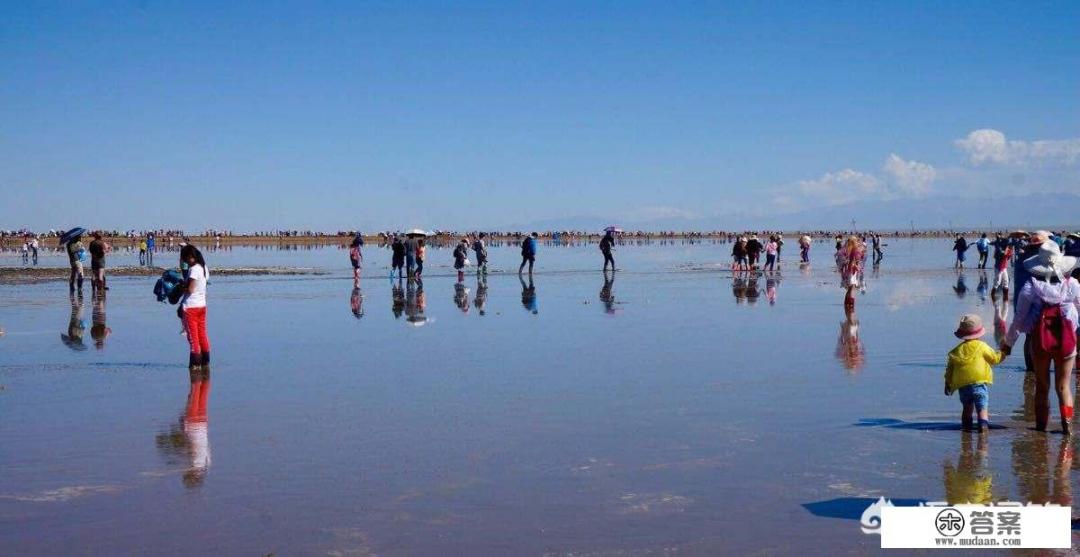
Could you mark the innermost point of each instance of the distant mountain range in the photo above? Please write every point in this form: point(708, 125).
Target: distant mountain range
point(1054, 211)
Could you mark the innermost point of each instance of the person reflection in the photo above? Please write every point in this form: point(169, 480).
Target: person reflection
point(461, 297)
point(99, 331)
point(983, 286)
point(188, 441)
point(1042, 473)
point(772, 282)
point(752, 290)
point(480, 300)
point(528, 294)
point(738, 287)
point(607, 294)
point(970, 480)
point(397, 297)
point(415, 303)
point(961, 288)
point(849, 349)
point(356, 303)
point(76, 325)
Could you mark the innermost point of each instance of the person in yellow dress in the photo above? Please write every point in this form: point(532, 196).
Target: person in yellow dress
point(968, 371)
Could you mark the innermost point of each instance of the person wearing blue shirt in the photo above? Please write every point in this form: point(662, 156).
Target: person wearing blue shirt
point(528, 252)
point(150, 250)
point(983, 245)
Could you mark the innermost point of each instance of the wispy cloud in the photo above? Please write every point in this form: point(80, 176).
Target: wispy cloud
point(898, 178)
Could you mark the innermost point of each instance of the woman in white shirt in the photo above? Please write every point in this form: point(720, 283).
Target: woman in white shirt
point(193, 306)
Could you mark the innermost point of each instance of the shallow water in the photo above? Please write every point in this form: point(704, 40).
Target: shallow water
point(658, 412)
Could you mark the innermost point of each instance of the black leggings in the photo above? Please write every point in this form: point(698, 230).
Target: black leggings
point(609, 259)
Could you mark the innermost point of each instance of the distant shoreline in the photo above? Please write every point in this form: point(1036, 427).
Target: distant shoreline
point(26, 275)
point(317, 239)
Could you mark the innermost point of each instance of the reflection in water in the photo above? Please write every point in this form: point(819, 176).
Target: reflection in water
point(99, 331)
point(849, 349)
point(983, 286)
point(1001, 319)
point(970, 480)
point(415, 303)
point(752, 290)
point(607, 294)
point(461, 297)
point(772, 282)
point(397, 296)
point(961, 287)
point(356, 303)
point(187, 443)
point(481, 293)
point(738, 287)
point(1043, 473)
point(528, 294)
point(73, 339)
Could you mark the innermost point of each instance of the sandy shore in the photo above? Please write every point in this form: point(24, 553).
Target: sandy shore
point(23, 275)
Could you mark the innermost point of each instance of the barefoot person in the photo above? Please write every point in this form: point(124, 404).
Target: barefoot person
point(1047, 310)
point(193, 307)
point(75, 251)
point(849, 262)
point(356, 257)
point(98, 247)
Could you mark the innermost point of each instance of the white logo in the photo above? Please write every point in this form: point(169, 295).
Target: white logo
point(871, 517)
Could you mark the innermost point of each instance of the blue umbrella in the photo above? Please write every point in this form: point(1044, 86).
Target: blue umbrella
point(72, 235)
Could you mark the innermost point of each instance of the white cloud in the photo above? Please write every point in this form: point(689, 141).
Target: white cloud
point(908, 178)
point(987, 146)
point(844, 186)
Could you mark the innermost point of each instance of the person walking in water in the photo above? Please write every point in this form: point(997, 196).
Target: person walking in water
point(142, 252)
point(74, 249)
point(983, 246)
point(960, 246)
point(738, 255)
point(193, 307)
point(150, 250)
point(480, 249)
point(98, 248)
point(878, 254)
point(804, 249)
point(607, 244)
point(753, 250)
point(528, 252)
point(421, 254)
point(397, 259)
point(411, 243)
point(771, 249)
point(34, 249)
point(356, 257)
point(969, 372)
point(849, 261)
point(461, 255)
point(1048, 309)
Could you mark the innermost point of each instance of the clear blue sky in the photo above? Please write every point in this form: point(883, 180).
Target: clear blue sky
point(385, 115)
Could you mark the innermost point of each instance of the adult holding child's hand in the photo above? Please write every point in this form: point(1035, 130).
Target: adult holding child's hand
point(1047, 309)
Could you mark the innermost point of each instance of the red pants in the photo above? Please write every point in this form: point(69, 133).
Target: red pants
point(195, 322)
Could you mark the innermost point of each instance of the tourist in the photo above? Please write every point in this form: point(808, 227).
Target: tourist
point(607, 244)
point(771, 249)
point(142, 252)
point(397, 260)
point(1047, 311)
point(528, 252)
point(804, 249)
point(76, 253)
point(753, 250)
point(983, 247)
point(738, 255)
point(411, 243)
point(356, 257)
point(968, 371)
point(960, 246)
point(1001, 275)
point(480, 248)
point(150, 249)
point(461, 257)
point(849, 262)
point(878, 254)
point(34, 249)
point(421, 254)
point(98, 247)
point(193, 306)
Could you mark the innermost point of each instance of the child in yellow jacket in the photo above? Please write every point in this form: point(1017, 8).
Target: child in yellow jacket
point(968, 371)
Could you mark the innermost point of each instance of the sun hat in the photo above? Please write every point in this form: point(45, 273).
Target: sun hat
point(1038, 237)
point(970, 328)
point(1049, 261)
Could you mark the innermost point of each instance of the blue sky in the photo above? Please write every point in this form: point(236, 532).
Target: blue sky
point(388, 115)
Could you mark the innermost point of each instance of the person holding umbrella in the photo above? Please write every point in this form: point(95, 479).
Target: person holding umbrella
point(607, 245)
point(74, 248)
